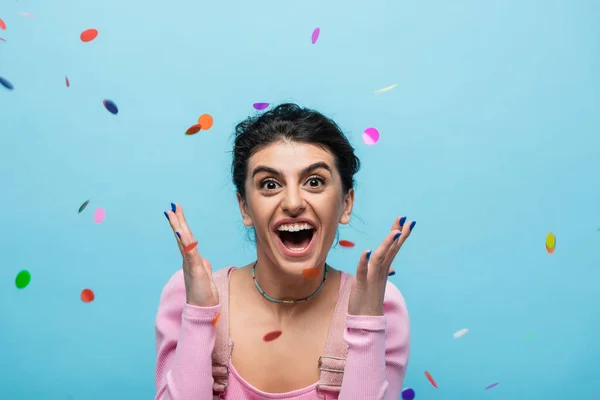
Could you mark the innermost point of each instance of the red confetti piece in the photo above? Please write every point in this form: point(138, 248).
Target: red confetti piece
point(346, 243)
point(67, 81)
point(430, 378)
point(87, 296)
point(192, 130)
point(311, 273)
point(215, 320)
point(88, 35)
point(271, 336)
point(190, 247)
point(2, 25)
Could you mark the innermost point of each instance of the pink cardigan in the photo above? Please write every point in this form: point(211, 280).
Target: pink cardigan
point(378, 350)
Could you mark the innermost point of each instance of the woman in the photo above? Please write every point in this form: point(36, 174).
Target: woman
point(287, 325)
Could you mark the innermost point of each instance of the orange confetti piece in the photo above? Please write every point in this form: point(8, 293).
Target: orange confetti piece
point(430, 378)
point(206, 120)
point(311, 273)
point(549, 250)
point(346, 243)
point(2, 25)
point(67, 81)
point(215, 320)
point(190, 247)
point(87, 296)
point(271, 336)
point(193, 129)
point(89, 35)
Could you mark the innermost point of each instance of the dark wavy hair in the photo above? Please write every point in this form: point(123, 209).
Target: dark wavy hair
point(291, 122)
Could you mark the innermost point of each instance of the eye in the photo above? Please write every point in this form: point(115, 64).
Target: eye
point(269, 184)
point(315, 182)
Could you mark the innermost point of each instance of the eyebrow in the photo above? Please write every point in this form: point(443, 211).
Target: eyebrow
point(305, 171)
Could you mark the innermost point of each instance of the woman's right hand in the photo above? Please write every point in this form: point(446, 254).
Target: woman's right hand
point(200, 289)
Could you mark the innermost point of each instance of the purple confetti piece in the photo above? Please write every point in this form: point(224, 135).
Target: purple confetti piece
point(315, 35)
point(492, 385)
point(260, 106)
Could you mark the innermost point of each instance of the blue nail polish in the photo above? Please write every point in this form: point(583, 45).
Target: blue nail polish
point(173, 207)
point(412, 225)
point(392, 273)
point(402, 221)
point(178, 235)
point(166, 215)
point(397, 235)
point(368, 255)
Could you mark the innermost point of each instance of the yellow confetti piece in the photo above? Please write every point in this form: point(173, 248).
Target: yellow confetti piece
point(550, 241)
point(386, 89)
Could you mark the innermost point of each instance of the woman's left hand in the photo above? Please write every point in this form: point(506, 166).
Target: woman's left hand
point(368, 289)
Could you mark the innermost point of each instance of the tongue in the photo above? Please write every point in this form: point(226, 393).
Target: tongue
point(296, 240)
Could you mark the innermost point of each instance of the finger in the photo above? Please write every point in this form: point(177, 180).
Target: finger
point(376, 264)
point(363, 266)
point(406, 231)
point(398, 223)
point(181, 217)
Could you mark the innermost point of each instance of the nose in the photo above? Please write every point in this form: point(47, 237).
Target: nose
point(293, 203)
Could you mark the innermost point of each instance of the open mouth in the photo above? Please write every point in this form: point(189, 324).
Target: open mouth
point(296, 240)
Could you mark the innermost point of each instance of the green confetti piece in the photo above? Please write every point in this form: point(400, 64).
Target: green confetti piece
point(23, 279)
point(529, 336)
point(84, 205)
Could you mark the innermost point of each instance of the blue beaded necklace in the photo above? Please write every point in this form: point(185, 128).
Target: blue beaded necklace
point(266, 296)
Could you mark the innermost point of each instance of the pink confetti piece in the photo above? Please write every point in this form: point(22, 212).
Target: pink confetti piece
point(315, 35)
point(24, 14)
point(370, 136)
point(4, 40)
point(260, 106)
point(99, 215)
point(492, 385)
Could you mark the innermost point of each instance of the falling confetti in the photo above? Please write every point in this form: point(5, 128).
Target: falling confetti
point(67, 81)
point(430, 378)
point(192, 130)
point(206, 120)
point(110, 106)
point(370, 136)
point(529, 336)
point(386, 89)
point(550, 242)
point(23, 278)
point(190, 247)
point(315, 35)
point(6, 83)
point(311, 273)
point(260, 106)
point(215, 320)
point(492, 385)
point(99, 215)
point(4, 40)
point(408, 394)
point(271, 336)
point(2, 25)
point(83, 206)
point(24, 14)
point(346, 243)
point(88, 35)
point(461, 333)
point(87, 296)
point(391, 272)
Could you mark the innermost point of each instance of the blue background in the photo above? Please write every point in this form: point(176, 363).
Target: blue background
point(490, 141)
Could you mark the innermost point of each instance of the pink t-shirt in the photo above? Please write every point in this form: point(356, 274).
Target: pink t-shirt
point(378, 349)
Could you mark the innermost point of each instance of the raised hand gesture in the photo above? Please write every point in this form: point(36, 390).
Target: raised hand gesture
point(368, 290)
point(200, 288)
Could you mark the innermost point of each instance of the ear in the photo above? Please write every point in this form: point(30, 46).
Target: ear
point(347, 207)
point(246, 218)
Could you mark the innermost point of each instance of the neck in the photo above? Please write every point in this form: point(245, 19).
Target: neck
point(285, 285)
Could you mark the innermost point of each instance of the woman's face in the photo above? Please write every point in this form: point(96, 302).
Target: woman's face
point(295, 201)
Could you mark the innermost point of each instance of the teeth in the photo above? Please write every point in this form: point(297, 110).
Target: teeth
point(295, 227)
